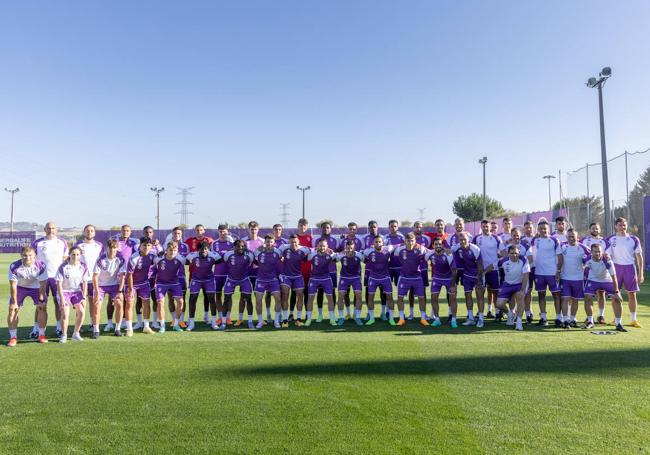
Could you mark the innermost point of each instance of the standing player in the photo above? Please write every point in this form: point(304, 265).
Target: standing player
point(561, 225)
point(505, 235)
point(183, 252)
point(253, 242)
point(572, 277)
point(321, 259)
point(72, 288)
point(157, 250)
point(352, 236)
point(108, 278)
point(525, 251)
point(494, 228)
point(453, 243)
point(394, 238)
point(51, 251)
point(91, 250)
point(593, 238)
point(351, 261)
point(377, 261)
point(369, 242)
point(193, 245)
point(332, 244)
point(410, 279)
point(515, 283)
point(425, 242)
point(529, 233)
point(126, 247)
point(601, 276)
point(27, 278)
point(169, 269)
point(291, 279)
point(139, 275)
point(548, 265)
point(490, 244)
point(527, 240)
point(278, 240)
point(469, 257)
point(443, 274)
point(238, 265)
point(202, 279)
point(220, 246)
point(439, 231)
point(625, 252)
point(304, 239)
point(268, 259)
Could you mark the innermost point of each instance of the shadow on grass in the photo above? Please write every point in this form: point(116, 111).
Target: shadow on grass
point(610, 362)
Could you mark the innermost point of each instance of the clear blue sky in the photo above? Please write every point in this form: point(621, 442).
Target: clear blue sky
point(382, 107)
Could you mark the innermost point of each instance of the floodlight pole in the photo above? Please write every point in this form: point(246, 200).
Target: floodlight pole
point(549, 177)
point(303, 189)
point(157, 192)
point(483, 161)
point(11, 223)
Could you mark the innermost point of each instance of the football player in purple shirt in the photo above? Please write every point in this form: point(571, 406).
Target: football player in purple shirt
point(239, 262)
point(253, 242)
point(410, 256)
point(202, 279)
point(443, 274)
point(377, 261)
point(369, 242)
point(468, 256)
point(139, 279)
point(168, 269)
point(91, 250)
point(351, 235)
point(221, 245)
point(394, 238)
point(424, 241)
point(268, 259)
point(351, 261)
point(490, 244)
point(548, 265)
point(157, 250)
point(183, 251)
point(27, 278)
point(321, 259)
point(595, 237)
point(332, 244)
point(291, 278)
point(126, 247)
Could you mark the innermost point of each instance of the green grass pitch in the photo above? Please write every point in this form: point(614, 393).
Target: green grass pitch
point(329, 390)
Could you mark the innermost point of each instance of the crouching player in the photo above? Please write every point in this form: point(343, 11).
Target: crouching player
point(602, 277)
point(72, 289)
point(377, 261)
point(268, 259)
point(351, 261)
point(202, 278)
point(443, 274)
point(320, 279)
point(27, 278)
point(108, 279)
point(168, 270)
point(291, 278)
point(139, 272)
point(515, 284)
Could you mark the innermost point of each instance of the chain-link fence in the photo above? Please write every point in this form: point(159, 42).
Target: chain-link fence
point(629, 181)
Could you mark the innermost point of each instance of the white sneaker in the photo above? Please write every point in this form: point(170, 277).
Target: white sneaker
point(109, 327)
point(480, 324)
point(123, 325)
point(63, 339)
point(259, 325)
point(155, 325)
point(138, 326)
point(519, 326)
point(215, 326)
point(510, 321)
point(469, 322)
point(277, 325)
point(76, 337)
point(190, 326)
point(206, 319)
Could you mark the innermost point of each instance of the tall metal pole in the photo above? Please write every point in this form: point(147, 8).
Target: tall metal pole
point(483, 161)
point(627, 190)
point(303, 189)
point(157, 192)
point(603, 152)
point(11, 222)
point(549, 177)
point(588, 196)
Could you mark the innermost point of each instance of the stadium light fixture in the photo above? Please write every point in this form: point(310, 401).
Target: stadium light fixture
point(303, 189)
point(13, 191)
point(483, 161)
point(157, 192)
point(549, 177)
point(598, 83)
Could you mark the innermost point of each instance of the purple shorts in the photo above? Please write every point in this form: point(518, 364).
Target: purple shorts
point(292, 282)
point(544, 281)
point(207, 286)
point(592, 287)
point(72, 298)
point(404, 285)
point(507, 290)
point(491, 279)
point(324, 283)
point(626, 277)
point(438, 283)
point(469, 283)
point(572, 288)
point(245, 286)
point(50, 288)
point(22, 293)
point(142, 290)
point(345, 283)
point(270, 286)
point(163, 289)
point(386, 285)
point(219, 282)
point(112, 292)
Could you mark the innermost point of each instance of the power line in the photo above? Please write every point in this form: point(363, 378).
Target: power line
point(185, 203)
point(284, 216)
